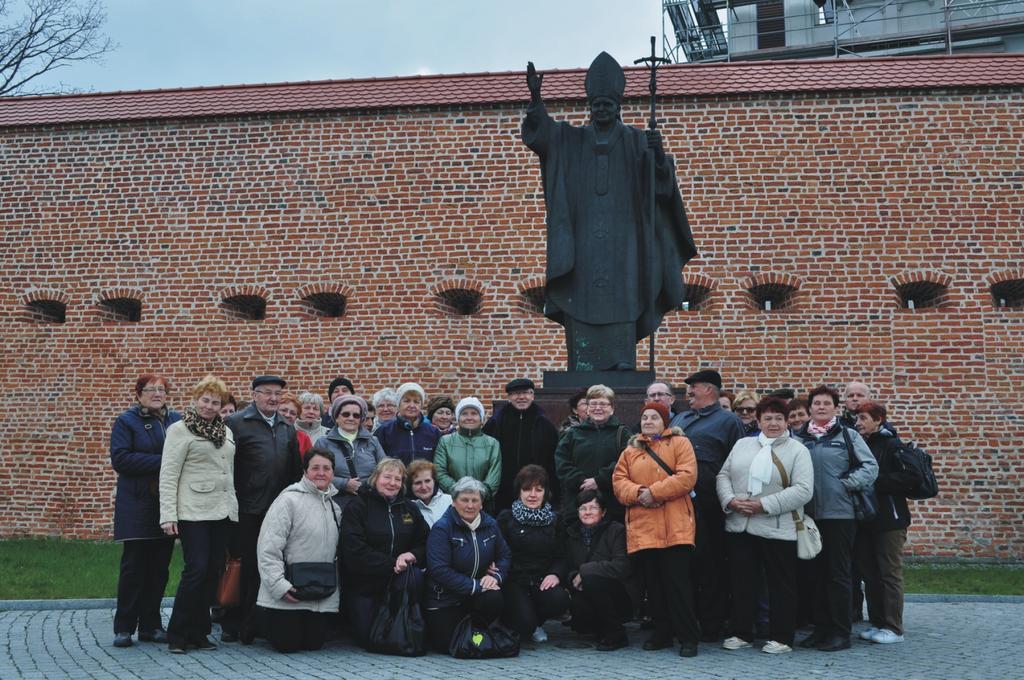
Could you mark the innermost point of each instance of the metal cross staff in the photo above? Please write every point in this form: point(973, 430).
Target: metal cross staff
point(652, 124)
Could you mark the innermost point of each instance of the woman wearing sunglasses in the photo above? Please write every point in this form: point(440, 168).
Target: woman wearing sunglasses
point(356, 451)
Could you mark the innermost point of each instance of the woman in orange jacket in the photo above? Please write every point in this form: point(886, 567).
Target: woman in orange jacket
point(653, 479)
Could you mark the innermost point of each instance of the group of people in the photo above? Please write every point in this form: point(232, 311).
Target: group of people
point(687, 519)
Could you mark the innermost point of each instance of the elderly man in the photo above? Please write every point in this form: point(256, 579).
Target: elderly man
point(660, 391)
point(266, 461)
point(526, 436)
point(713, 431)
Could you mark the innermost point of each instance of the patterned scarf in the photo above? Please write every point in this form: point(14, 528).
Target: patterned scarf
point(541, 517)
point(820, 430)
point(207, 429)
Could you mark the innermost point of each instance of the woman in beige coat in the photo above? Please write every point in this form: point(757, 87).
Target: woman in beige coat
point(759, 525)
point(197, 504)
point(301, 526)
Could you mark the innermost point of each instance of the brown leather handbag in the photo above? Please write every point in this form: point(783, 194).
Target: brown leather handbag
point(229, 590)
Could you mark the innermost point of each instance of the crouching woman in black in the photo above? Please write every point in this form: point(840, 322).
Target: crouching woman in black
point(383, 545)
point(535, 589)
point(601, 580)
point(467, 563)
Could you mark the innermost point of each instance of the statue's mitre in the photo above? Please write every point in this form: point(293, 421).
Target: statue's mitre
point(605, 78)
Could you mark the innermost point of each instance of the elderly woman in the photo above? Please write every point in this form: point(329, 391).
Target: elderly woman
point(744, 406)
point(878, 548)
point(301, 527)
point(290, 409)
point(427, 495)
point(653, 479)
point(468, 452)
point(762, 485)
point(832, 447)
point(382, 537)
point(587, 454)
point(577, 412)
point(467, 562)
point(535, 587)
point(600, 574)
point(441, 414)
point(198, 504)
point(385, 403)
point(409, 435)
point(356, 452)
point(136, 444)
point(311, 411)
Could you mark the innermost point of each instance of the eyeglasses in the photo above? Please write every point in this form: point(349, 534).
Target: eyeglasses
point(745, 409)
point(598, 404)
point(268, 393)
point(154, 390)
point(655, 395)
point(349, 414)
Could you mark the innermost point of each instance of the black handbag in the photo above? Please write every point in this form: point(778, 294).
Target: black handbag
point(397, 627)
point(865, 506)
point(471, 641)
point(312, 580)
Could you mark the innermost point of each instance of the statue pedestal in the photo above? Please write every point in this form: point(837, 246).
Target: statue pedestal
point(579, 380)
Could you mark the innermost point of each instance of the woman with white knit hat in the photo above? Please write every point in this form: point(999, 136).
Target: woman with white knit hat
point(410, 435)
point(468, 452)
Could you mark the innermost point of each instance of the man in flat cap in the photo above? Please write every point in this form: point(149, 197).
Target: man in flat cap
point(713, 431)
point(526, 436)
point(613, 269)
point(266, 461)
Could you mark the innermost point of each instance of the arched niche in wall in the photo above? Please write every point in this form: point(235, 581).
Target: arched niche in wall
point(326, 301)
point(773, 292)
point(120, 304)
point(45, 305)
point(458, 297)
point(697, 289)
point(922, 289)
point(244, 303)
point(1007, 288)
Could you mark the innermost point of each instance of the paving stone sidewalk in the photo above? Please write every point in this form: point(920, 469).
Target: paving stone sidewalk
point(948, 640)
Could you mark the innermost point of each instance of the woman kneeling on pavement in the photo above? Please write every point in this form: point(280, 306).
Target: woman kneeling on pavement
point(760, 530)
point(660, 524)
point(600, 574)
point(535, 588)
point(467, 562)
point(301, 527)
point(383, 546)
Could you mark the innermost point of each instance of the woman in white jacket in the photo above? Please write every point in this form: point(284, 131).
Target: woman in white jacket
point(760, 530)
point(301, 526)
point(426, 494)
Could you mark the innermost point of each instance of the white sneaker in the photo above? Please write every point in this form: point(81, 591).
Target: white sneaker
point(539, 635)
point(773, 647)
point(869, 633)
point(735, 643)
point(886, 637)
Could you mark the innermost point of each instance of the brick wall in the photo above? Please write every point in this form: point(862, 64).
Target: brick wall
point(836, 197)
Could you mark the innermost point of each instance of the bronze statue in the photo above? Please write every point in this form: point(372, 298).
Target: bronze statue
point(613, 268)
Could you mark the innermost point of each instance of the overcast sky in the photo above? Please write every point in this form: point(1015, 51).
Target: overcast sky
point(184, 43)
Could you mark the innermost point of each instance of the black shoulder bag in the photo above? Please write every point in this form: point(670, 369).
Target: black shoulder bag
point(313, 580)
point(657, 459)
point(865, 507)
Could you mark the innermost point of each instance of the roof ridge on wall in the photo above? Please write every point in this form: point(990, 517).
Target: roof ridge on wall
point(689, 79)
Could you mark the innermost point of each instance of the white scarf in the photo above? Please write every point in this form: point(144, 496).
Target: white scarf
point(475, 524)
point(761, 466)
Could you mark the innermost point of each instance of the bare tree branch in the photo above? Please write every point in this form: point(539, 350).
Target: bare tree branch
point(51, 35)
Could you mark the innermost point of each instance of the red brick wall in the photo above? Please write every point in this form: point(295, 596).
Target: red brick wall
point(834, 195)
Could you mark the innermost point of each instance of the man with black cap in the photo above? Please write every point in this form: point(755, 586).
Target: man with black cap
point(266, 461)
point(526, 436)
point(712, 431)
point(338, 387)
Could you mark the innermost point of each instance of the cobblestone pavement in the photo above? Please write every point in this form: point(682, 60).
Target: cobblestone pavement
point(945, 641)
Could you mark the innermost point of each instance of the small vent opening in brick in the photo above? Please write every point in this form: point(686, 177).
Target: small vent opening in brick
point(121, 309)
point(921, 294)
point(695, 298)
point(47, 311)
point(535, 299)
point(328, 305)
point(461, 301)
point(773, 297)
point(1008, 293)
point(245, 307)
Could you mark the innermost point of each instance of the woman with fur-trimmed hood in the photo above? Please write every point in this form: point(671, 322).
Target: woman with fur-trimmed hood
point(653, 479)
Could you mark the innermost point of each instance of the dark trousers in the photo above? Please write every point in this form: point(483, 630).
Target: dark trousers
point(832, 577)
point(202, 545)
point(711, 566)
point(289, 630)
point(669, 593)
point(749, 557)
point(361, 608)
point(484, 607)
point(243, 545)
point(141, 584)
point(880, 556)
point(601, 606)
point(527, 606)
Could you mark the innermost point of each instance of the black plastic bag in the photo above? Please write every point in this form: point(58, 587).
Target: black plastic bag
point(471, 641)
point(397, 626)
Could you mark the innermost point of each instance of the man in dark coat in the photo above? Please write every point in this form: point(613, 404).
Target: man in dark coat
point(613, 268)
point(266, 461)
point(526, 436)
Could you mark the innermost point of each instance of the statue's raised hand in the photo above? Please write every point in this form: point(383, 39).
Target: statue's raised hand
point(534, 80)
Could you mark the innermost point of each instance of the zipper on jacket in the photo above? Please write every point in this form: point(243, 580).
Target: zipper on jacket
point(412, 446)
point(476, 553)
point(391, 522)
